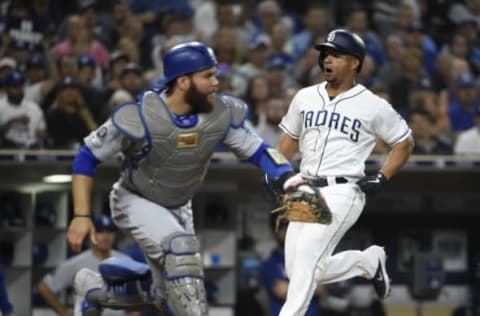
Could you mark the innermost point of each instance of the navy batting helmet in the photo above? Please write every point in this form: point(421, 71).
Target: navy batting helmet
point(187, 58)
point(345, 42)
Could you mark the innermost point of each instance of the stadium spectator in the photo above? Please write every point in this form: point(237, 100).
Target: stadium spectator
point(257, 55)
point(257, 96)
point(427, 142)
point(80, 41)
point(267, 128)
point(39, 80)
point(415, 36)
point(278, 74)
point(316, 21)
point(61, 278)
point(412, 75)
point(274, 277)
point(5, 306)
point(463, 100)
point(68, 117)
point(22, 124)
point(118, 60)
point(468, 141)
point(131, 84)
point(357, 22)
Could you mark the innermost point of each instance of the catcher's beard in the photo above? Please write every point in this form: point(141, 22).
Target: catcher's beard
point(197, 100)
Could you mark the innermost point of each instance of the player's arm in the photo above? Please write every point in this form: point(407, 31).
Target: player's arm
point(52, 299)
point(288, 146)
point(247, 145)
point(100, 145)
point(397, 157)
point(84, 167)
point(393, 130)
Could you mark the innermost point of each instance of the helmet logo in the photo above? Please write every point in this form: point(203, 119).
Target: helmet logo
point(212, 55)
point(331, 36)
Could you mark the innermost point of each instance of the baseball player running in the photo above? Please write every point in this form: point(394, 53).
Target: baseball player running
point(334, 125)
point(167, 140)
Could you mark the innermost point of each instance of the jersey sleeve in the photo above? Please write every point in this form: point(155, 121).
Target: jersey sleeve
point(242, 141)
point(61, 277)
point(291, 123)
point(106, 141)
point(389, 125)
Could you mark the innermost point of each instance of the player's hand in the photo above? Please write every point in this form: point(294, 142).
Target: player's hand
point(79, 228)
point(372, 184)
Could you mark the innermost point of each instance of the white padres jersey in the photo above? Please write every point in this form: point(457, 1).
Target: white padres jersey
point(337, 136)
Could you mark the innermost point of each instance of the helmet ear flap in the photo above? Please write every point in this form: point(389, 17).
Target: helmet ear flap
point(321, 57)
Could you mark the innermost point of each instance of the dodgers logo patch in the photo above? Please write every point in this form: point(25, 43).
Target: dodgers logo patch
point(187, 140)
point(102, 132)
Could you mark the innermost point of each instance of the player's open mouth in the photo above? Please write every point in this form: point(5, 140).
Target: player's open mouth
point(327, 70)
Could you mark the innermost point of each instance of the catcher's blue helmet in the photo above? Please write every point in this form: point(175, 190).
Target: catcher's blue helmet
point(187, 58)
point(345, 42)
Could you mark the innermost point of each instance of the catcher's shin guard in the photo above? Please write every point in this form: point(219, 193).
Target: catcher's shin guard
point(184, 275)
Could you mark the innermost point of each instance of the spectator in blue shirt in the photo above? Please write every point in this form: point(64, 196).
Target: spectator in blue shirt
point(274, 277)
point(462, 103)
point(5, 306)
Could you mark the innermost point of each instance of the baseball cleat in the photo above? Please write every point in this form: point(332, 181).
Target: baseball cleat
point(381, 281)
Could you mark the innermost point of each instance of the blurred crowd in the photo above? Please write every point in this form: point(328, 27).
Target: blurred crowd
point(66, 65)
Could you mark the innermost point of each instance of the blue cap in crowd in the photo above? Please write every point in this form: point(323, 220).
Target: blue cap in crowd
point(86, 60)
point(35, 61)
point(86, 4)
point(118, 55)
point(466, 80)
point(278, 61)
point(68, 82)
point(13, 78)
point(262, 40)
point(131, 67)
point(104, 222)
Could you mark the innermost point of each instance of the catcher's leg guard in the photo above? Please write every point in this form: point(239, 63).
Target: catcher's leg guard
point(184, 275)
point(84, 281)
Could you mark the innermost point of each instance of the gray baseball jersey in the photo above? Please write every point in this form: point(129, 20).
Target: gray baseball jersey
point(164, 161)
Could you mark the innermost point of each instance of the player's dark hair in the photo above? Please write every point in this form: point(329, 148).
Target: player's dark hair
point(169, 85)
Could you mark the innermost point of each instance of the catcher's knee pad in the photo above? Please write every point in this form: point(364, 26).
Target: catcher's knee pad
point(184, 275)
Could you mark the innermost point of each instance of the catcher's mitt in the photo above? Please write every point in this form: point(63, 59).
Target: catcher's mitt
point(304, 203)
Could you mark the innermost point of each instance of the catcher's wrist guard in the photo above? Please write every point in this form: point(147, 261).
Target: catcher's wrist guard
point(274, 189)
point(303, 203)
